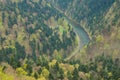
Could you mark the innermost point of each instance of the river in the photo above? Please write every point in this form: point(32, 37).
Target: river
point(83, 38)
point(80, 32)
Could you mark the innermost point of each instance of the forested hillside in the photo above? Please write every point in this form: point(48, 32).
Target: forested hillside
point(32, 28)
point(107, 39)
point(101, 20)
point(36, 37)
point(86, 13)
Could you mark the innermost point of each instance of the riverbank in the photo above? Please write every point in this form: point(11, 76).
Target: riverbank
point(82, 37)
point(85, 29)
point(82, 34)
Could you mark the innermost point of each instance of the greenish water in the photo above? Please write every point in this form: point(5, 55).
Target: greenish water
point(82, 34)
point(83, 38)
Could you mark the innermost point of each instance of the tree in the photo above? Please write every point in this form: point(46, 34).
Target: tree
point(45, 73)
point(56, 66)
point(51, 77)
point(21, 71)
point(61, 72)
point(75, 74)
point(36, 75)
point(69, 75)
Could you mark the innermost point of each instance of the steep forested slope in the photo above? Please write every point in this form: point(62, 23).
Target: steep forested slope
point(32, 28)
point(111, 30)
point(86, 13)
point(106, 38)
point(100, 19)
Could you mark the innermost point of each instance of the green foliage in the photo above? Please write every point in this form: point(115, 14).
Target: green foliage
point(99, 38)
point(21, 71)
point(102, 67)
point(34, 39)
point(36, 75)
point(24, 26)
point(4, 76)
point(45, 73)
point(75, 74)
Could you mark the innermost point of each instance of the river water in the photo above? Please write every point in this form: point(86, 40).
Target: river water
point(82, 34)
